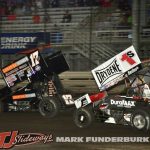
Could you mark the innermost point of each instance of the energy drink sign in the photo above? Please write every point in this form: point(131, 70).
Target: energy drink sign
point(117, 68)
point(11, 43)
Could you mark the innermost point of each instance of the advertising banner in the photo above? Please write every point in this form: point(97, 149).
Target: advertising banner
point(11, 43)
point(116, 68)
point(23, 69)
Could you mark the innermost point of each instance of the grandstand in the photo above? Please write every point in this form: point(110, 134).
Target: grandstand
point(96, 32)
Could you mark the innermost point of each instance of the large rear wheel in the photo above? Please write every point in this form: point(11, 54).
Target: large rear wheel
point(140, 120)
point(49, 107)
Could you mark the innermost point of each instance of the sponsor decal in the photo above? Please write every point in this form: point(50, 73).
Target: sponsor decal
point(122, 103)
point(115, 69)
point(23, 96)
point(137, 68)
point(13, 138)
point(51, 88)
point(128, 57)
point(111, 70)
point(82, 101)
point(23, 69)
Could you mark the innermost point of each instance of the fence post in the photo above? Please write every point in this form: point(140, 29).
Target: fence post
point(136, 24)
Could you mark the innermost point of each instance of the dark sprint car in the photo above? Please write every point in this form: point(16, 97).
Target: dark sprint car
point(133, 108)
point(33, 82)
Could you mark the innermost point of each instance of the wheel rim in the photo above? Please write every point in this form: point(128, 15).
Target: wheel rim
point(82, 119)
point(139, 121)
point(48, 107)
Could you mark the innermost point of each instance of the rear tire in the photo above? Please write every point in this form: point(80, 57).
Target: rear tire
point(140, 120)
point(1, 106)
point(83, 117)
point(49, 107)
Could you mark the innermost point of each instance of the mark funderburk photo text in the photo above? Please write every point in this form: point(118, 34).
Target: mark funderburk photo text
point(102, 139)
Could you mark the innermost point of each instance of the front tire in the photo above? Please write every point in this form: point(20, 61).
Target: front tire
point(140, 120)
point(83, 117)
point(49, 107)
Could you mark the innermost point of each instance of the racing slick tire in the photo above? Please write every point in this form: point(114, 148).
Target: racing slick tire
point(140, 120)
point(83, 117)
point(49, 107)
point(1, 106)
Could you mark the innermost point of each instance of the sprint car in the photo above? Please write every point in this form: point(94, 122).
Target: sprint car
point(32, 82)
point(131, 108)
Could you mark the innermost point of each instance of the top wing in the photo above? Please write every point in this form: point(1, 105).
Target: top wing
point(117, 68)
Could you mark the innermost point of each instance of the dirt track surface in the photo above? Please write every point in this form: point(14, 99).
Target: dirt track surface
point(63, 126)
